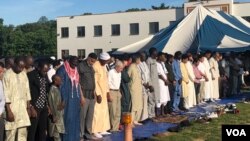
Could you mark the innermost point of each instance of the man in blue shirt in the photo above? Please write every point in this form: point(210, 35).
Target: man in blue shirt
point(178, 79)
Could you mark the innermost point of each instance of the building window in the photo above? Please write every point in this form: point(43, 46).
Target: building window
point(97, 51)
point(81, 31)
point(134, 29)
point(65, 53)
point(225, 9)
point(115, 29)
point(114, 49)
point(81, 53)
point(172, 22)
point(64, 32)
point(189, 10)
point(247, 18)
point(153, 27)
point(97, 30)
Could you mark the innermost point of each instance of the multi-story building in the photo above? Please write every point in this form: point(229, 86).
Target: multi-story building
point(83, 34)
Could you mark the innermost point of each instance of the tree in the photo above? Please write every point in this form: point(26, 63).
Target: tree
point(132, 10)
point(162, 6)
point(197, 0)
point(43, 19)
point(136, 9)
point(37, 39)
point(1, 22)
point(88, 13)
point(1, 36)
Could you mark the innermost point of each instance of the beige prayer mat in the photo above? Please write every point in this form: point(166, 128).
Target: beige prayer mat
point(164, 134)
point(171, 118)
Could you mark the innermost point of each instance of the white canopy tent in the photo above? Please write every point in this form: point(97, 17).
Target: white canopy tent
point(200, 30)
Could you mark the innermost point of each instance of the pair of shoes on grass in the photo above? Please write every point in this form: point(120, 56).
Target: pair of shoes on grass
point(179, 127)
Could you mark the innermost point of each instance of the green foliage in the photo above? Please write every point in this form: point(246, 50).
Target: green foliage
point(136, 9)
point(163, 6)
point(87, 13)
point(1, 21)
point(43, 19)
point(37, 39)
point(133, 9)
point(197, 0)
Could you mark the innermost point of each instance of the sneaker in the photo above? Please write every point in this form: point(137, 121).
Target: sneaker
point(114, 131)
point(98, 135)
point(105, 133)
point(202, 102)
point(207, 100)
point(213, 115)
point(184, 109)
point(92, 137)
point(137, 123)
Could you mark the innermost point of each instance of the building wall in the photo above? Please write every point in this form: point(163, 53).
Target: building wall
point(106, 41)
point(241, 9)
point(220, 5)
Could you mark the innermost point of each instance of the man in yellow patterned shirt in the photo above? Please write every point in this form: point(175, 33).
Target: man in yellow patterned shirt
point(17, 97)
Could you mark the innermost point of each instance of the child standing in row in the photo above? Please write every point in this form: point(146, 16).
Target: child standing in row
point(56, 124)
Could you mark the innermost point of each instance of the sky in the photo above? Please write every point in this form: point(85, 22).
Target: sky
point(18, 12)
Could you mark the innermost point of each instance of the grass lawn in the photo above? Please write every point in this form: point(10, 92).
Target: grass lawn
point(210, 131)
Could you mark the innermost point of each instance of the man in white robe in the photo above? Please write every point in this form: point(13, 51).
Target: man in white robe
point(163, 83)
point(204, 87)
point(208, 84)
point(191, 76)
point(145, 76)
point(213, 61)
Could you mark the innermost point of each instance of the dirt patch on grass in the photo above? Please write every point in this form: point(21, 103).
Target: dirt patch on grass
point(199, 139)
point(164, 134)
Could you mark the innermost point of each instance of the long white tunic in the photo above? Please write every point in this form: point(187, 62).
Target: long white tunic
point(145, 75)
point(215, 74)
point(208, 84)
point(191, 90)
point(164, 91)
point(202, 69)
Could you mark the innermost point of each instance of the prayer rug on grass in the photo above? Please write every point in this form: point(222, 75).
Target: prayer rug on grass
point(170, 119)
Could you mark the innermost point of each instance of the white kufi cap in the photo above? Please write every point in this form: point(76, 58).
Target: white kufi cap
point(53, 58)
point(104, 56)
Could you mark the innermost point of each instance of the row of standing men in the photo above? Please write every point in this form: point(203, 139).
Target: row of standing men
point(87, 98)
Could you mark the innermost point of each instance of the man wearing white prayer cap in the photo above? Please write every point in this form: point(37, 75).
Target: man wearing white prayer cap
point(53, 58)
point(101, 123)
point(104, 56)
